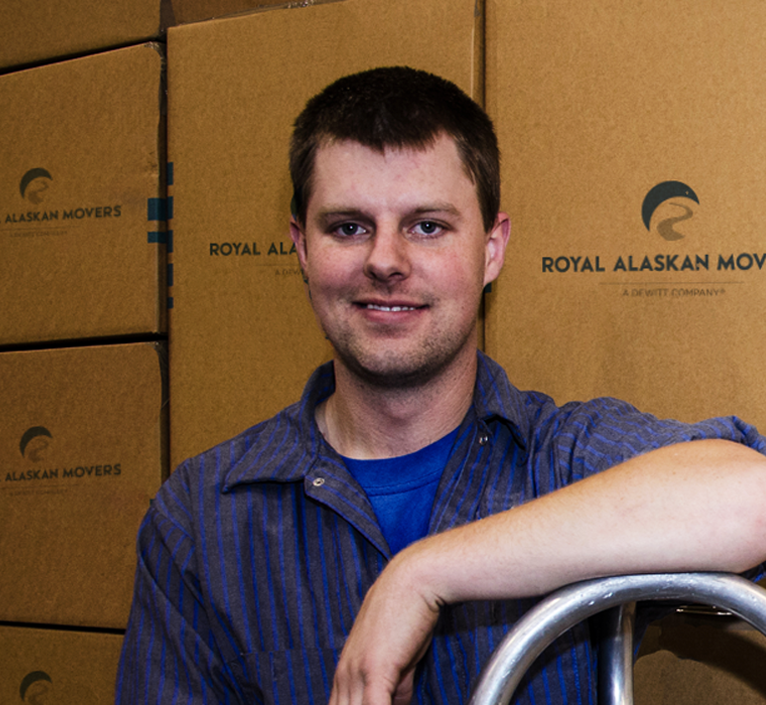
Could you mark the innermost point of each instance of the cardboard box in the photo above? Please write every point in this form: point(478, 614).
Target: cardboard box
point(633, 150)
point(185, 11)
point(51, 29)
point(699, 660)
point(82, 198)
point(83, 451)
point(56, 667)
point(243, 337)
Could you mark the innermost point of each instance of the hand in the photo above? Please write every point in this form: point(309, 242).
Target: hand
point(391, 634)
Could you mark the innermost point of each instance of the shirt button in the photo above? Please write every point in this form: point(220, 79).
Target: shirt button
point(318, 481)
point(483, 439)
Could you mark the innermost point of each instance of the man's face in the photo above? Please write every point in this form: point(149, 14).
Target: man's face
point(396, 258)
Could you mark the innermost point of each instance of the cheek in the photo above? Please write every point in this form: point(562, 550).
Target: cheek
point(327, 272)
point(462, 273)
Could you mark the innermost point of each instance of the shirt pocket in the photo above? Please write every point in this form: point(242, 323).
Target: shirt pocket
point(299, 676)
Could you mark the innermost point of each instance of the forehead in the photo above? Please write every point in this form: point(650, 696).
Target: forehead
point(347, 171)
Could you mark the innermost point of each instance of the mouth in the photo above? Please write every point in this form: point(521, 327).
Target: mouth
point(395, 308)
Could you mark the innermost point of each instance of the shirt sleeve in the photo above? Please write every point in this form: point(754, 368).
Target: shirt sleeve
point(604, 432)
point(169, 653)
point(599, 434)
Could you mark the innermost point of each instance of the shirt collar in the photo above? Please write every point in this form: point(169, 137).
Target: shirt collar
point(301, 445)
point(496, 399)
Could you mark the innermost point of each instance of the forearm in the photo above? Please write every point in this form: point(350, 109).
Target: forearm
point(692, 506)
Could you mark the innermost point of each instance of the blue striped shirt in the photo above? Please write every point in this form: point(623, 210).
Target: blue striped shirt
point(255, 556)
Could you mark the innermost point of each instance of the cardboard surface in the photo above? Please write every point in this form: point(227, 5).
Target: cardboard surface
point(53, 667)
point(700, 661)
point(243, 336)
point(82, 450)
point(51, 29)
point(82, 148)
point(185, 11)
point(633, 174)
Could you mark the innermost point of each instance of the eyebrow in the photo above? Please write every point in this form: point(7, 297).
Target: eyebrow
point(437, 208)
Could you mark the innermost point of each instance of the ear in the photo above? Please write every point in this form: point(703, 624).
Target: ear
point(497, 241)
point(298, 236)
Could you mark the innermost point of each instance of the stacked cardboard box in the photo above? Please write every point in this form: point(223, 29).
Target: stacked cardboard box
point(48, 30)
point(83, 452)
point(82, 198)
point(47, 666)
point(51, 30)
point(82, 239)
point(633, 172)
point(242, 335)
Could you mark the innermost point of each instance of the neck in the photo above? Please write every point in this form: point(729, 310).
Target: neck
point(364, 421)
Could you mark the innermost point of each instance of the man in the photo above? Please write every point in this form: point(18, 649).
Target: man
point(375, 541)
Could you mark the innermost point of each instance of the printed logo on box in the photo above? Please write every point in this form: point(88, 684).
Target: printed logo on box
point(34, 184)
point(34, 443)
point(36, 448)
point(674, 194)
point(36, 688)
point(664, 208)
point(36, 188)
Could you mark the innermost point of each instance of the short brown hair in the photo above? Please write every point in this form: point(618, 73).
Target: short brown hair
point(397, 107)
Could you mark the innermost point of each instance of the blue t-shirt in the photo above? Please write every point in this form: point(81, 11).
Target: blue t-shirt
point(402, 489)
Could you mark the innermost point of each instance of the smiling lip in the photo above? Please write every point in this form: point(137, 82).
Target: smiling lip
point(392, 308)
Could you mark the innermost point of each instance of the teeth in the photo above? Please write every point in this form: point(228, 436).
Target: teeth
point(375, 307)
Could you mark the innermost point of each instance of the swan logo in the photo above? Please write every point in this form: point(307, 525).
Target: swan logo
point(34, 184)
point(665, 206)
point(35, 688)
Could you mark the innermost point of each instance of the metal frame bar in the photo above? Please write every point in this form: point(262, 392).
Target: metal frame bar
point(615, 656)
point(570, 605)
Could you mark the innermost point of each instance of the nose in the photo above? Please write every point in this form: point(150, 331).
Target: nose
point(389, 256)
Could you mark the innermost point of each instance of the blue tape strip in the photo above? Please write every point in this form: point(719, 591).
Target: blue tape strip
point(159, 208)
point(156, 208)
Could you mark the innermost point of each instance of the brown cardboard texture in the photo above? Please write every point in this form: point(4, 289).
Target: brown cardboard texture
point(701, 661)
point(82, 444)
point(82, 145)
point(57, 667)
point(185, 11)
point(243, 337)
point(633, 174)
point(50, 29)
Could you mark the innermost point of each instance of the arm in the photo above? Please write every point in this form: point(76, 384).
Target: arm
point(691, 506)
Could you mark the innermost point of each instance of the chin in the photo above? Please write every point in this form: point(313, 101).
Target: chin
point(397, 371)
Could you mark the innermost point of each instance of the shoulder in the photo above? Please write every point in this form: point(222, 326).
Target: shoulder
point(597, 434)
point(538, 418)
point(195, 487)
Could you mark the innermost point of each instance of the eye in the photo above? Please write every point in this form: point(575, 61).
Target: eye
point(348, 229)
point(429, 228)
